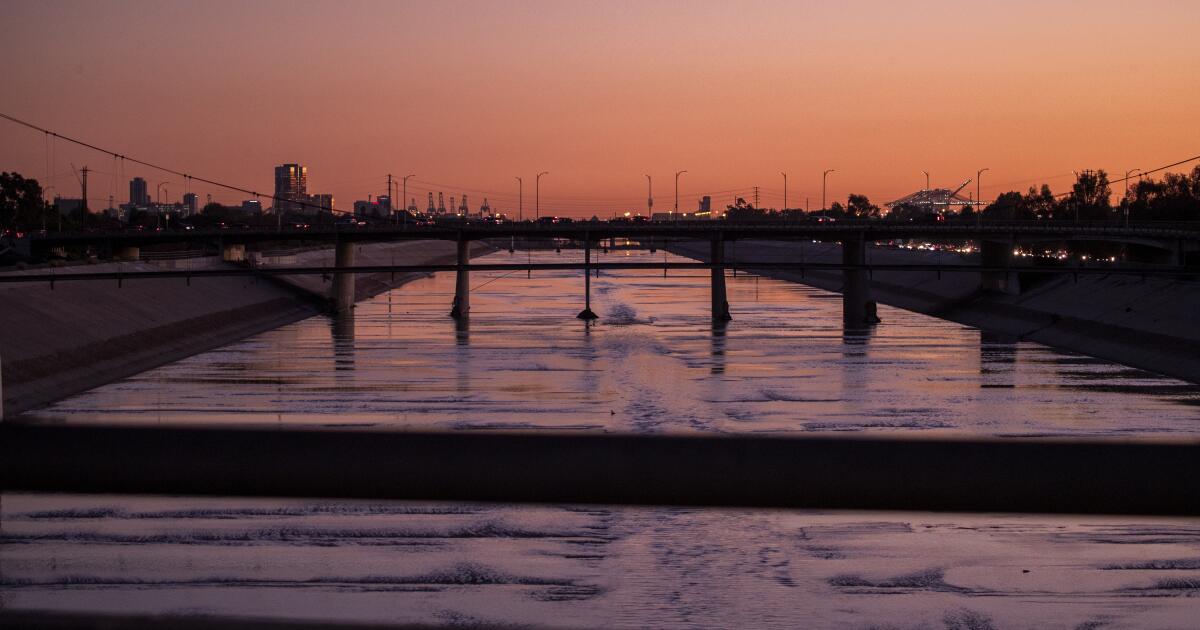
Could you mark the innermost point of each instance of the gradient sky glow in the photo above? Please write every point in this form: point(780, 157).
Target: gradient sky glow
point(468, 95)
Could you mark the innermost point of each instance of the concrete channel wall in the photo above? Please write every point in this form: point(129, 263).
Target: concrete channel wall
point(56, 342)
point(1143, 323)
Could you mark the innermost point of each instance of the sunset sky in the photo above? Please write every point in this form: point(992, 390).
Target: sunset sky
point(468, 95)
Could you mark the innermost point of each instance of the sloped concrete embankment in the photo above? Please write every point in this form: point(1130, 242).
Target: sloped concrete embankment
point(56, 342)
point(1144, 323)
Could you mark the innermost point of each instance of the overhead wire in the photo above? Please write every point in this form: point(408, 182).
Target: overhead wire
point(425, 185)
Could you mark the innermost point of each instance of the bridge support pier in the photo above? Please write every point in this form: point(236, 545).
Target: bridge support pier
point(858, 309)
point(233, 252)
point(461, 308)
point(343, 283)
point(998, 254)
point(128, 252)
point(720, 298)
point(586, 314)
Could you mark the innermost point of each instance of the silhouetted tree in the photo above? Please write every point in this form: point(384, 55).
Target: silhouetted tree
point(21, 204)
point(1090, 196)
point(1011, 206)
point(741, 210)
point(859, 207)
point(1176, 198)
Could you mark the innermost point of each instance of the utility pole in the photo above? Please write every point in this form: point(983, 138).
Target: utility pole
point(391, 200)
point(520, 199)
point(537, 195)
point(675, 214)
point(84, 170)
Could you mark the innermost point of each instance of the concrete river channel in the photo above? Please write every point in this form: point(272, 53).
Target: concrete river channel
point(653, 363)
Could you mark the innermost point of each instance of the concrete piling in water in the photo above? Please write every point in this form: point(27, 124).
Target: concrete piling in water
point(858, 309)
point(586, 314)
point(998, 254)
point(720, 298)
point(343, 283)
point(127, 253)
point(233, 252)
point(462, 285)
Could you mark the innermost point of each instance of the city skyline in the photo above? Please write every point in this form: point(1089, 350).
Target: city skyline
point(602, 95)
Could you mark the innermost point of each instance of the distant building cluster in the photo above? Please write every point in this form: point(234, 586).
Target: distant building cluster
point(291, 192)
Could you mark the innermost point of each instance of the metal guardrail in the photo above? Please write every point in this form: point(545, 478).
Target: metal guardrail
point(879, 230)
point(861, 473)
point(1175, 272)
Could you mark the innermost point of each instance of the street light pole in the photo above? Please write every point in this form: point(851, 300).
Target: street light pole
point(926, 180)
point(978, 176)
point(649, 197)
point(784, 190)
point(537, 195)
point(1126, 200)
point(823, 176)
point(676, 212)
point(520, 199)
point(403, 196)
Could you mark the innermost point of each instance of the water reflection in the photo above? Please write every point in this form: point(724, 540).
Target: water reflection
point(717, 347)
point(342, 332)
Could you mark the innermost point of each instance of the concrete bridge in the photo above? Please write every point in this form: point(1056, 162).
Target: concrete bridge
point(996, 240)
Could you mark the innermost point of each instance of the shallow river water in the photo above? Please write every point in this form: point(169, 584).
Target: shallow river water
point(652, 363)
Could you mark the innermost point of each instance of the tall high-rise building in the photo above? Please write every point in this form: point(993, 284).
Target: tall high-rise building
point(191, 203)
point(291, 187)
point(138, 196)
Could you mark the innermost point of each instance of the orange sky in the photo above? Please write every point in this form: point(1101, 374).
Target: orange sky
point(468, 95)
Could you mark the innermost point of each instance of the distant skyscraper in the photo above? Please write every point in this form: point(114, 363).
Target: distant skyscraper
point(137, 192)
point(291, 186)
point(252, 206)
point(319, 203)
point(191, 203)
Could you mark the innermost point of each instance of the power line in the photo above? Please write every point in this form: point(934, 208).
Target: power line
point(153, 165)
point(1140, 174)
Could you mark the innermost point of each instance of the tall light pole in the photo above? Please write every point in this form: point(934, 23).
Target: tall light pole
point(784, 190)
point(520, 199)
point(823, 176)
point(537, 195)
point(676, 213)
point(403, 196)
point(649, 197)
point(1075, 193)
point(926, 180)
point(978, 176)
point(1126, 200)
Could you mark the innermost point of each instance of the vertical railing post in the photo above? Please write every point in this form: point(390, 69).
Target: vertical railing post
point(462, 284)
point(343, 283)
point(858, 309)
point(587, 314)
point(720, 299)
